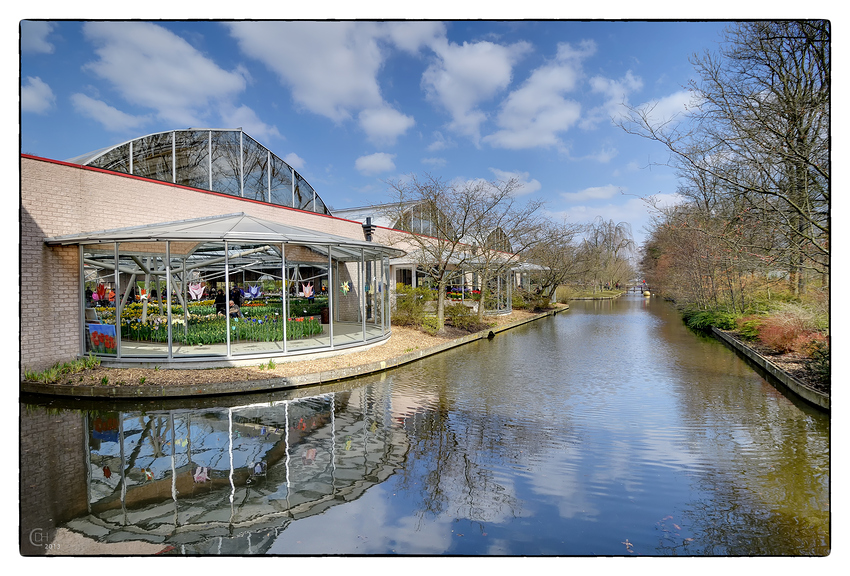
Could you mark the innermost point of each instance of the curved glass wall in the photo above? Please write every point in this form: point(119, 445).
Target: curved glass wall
point(224, 161)
point(177, 300)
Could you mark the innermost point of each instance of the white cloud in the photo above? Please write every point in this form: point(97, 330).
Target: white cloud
point(665, 109)
point(247, 119)
point(440, 142)
point(34, 37)
point(411, 36)
point(36, 96)
point(384, 125)
point(616, 93)
point(331, 67)
point(375, 163)
point(534, 114)
point(636, 211)
point(524, 185)
point(603, 156)
point(111, 118)
point(153, 68)
point(463, 76)
point(593, 193)
point(295, 161)
point(435, 162)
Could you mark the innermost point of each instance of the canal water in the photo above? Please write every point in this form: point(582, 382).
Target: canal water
point(610, 429)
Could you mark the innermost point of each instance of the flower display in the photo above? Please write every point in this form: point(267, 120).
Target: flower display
point(200, 325)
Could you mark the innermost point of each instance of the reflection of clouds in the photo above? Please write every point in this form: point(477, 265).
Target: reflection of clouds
point(364, 526)
point(557, 474)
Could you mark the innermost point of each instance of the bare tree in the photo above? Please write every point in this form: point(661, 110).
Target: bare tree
point(556, 256)
point(606, 251)
point(758, 133)
point(504, 230)
point(442, 221)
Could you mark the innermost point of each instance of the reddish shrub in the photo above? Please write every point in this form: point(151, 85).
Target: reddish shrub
point(807, 342)
point(777, 336)
point(780, 330)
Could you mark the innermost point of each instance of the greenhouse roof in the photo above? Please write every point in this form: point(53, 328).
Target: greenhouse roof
point(238, 227)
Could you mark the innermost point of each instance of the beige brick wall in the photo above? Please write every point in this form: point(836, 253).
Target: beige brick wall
point(59, 199)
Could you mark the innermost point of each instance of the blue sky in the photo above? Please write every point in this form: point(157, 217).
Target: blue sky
point(352, 105)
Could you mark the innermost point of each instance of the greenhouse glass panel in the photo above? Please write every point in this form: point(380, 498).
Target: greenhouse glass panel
point(320, 207)
point(347, 292)
point(255, 290)
point(198, 313)
point(303, 194)
point(143, 308)
point(281, 188)
point(117, 159)
point(374, 288)
point(307, 273)
point(225, 163)
point(255, 164)
point(153, 157)
point(387, 302)
point(193, 159)
point(100, 335)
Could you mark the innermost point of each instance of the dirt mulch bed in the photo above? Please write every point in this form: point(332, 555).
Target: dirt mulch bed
point(402, 341)
point(791, 363)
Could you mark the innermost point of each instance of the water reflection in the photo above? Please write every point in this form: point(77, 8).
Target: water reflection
point(219, 479)
point(609, 430)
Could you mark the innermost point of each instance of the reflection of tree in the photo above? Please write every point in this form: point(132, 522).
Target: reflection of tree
point(735, 525)
point(255, 165)
point(457, 452)
point(226, 174)
point(767, 491)
point(192, 160)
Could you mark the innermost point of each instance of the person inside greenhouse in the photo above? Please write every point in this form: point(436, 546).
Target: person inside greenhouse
point(236, 297)
point(235, 312)
point(220, 302)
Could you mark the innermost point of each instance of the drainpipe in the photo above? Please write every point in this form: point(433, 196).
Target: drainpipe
point(368, 231)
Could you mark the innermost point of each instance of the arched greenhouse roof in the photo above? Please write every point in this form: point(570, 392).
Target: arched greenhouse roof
point(227, 161)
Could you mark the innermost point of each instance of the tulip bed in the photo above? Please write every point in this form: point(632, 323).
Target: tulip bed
point(262, 322)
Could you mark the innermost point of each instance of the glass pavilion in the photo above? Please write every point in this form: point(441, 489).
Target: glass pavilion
point(148, 293)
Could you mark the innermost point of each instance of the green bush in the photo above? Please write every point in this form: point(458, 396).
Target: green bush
point(563, 294)
point(539, 302)
point(410, 305)
point(518, 301)
point(748, 327)
point(703, 320)
point(463, 318)
point(430, 324)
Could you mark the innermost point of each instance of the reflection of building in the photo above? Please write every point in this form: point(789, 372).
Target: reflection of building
point(124, 256)
point(189, 478)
